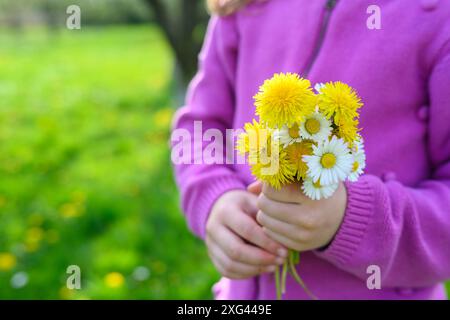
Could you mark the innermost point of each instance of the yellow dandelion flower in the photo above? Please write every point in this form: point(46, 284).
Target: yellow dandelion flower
point(251, 138)
point(339, 102)
point(295, 153)
point(276, 170)
point(284, 100)
point(114, 280)
point(7, 261)
point(254, 141)
point(348, 130)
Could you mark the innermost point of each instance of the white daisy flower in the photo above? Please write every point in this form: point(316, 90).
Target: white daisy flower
point(287, 135)
point(359, 161)
point(318, 87)
point(316, 191)
point(316, 127)
point(331, 162)
point(358, 146)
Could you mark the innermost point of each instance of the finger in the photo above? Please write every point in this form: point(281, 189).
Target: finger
point(218, 265)
point(255, 187)
point(289, 243)
point(212, 248)
point(235, 269)
point(237, 250)
point(290, 193)
point(247, 228)
point(286, 212)
point(278, 226)
point(249, 205)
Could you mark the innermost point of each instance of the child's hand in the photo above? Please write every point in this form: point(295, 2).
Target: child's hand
point(236, 243)
point(296, 221)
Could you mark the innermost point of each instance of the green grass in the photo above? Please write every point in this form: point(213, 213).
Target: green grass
point(85, 176)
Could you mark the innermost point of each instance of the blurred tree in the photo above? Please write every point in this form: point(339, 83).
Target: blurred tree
point(183, 23)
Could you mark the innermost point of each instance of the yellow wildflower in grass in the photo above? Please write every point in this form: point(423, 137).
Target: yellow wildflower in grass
point(274, 169)
point(78, 197)
point(7, 261)
point(162, 119)
point(33, 239)
point(284, 100)
point(65, 293)
point(2, 201)
point(114, 280)
point(71, 210)
point(339, 102)
point(295, 153)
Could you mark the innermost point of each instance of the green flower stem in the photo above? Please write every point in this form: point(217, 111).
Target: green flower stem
point(277, 282)
point(297, 277)
point(295, 256)
point(283, 277)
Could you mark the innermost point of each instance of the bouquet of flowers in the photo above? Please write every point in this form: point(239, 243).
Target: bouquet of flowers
point(305, 136)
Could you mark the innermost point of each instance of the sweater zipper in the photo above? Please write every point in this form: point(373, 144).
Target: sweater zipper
point(329, 6)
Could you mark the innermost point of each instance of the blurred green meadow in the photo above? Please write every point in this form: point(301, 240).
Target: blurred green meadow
point(85, 176)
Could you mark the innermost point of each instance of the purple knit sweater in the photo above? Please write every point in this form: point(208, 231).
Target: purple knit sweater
point(398, 213)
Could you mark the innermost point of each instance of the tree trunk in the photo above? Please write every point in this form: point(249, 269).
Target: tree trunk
point(180, 29)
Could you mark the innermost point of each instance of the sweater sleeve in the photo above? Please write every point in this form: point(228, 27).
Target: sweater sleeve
point(202, 176)
point(405, 231)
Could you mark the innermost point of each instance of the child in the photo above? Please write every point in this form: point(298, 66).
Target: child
point(393, 224)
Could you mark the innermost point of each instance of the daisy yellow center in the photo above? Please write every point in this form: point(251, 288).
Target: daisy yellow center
point(328, 160)
point(355, 166)
point(312, 126)
point(293, 132)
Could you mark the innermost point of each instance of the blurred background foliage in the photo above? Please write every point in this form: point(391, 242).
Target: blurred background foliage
point(182, 22)
point(85, 175)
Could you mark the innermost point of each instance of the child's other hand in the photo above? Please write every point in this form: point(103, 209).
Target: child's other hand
point(296, 221)
point(236, 243)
